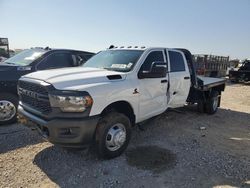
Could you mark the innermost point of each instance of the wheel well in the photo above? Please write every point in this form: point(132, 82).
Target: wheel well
point(121, 107)
point(215, 89)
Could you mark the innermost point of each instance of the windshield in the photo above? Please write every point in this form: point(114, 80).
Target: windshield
point(25, 57)
point(115, 60)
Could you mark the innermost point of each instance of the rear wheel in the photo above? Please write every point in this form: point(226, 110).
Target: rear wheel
point(8, 108)
point(234, 81)
point(112, 135)
point(212, 103)
point(201, 107)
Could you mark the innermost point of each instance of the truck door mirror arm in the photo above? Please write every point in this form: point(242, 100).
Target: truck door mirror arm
point(158, 69)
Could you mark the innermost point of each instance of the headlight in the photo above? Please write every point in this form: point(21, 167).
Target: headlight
point(70, 103)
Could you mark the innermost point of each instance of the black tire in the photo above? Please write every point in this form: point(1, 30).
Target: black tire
point(201, 107)
point(14, 100)
point(212, 103)
point(102, 133)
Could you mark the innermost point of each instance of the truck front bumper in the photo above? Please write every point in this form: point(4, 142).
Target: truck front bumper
point(66, 132)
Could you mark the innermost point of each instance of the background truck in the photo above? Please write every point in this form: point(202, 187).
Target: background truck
point(4, 49)
point(28, 61)
point(112, 92)
point(211, 65)
point(242, 74)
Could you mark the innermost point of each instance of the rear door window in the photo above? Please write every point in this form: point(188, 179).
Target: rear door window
point(87, 56)
point(176, 61)
point(81, 58)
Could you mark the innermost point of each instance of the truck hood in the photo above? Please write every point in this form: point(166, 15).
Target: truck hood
point(9, 72)
point(77, 78)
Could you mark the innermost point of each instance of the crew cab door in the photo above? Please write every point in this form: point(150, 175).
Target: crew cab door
point(179, 78)
point(152, 91)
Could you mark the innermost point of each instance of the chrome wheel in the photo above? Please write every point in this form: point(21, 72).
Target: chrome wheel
point(215, 103)
point(116, 137)
point(7, 110)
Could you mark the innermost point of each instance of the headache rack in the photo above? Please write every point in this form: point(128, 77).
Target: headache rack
point(211, 65)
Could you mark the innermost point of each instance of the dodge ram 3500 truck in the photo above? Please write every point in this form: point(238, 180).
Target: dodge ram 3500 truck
point(113, 91)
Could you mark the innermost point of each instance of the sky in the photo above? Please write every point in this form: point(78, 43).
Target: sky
point(219, 27)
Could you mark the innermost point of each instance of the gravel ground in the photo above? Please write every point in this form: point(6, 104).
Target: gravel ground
point(176, 149)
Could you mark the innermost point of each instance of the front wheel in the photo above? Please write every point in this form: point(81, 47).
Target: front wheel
point(8, 108)
point(212, 103)
point(112, 135)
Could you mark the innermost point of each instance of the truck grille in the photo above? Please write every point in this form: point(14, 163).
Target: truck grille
point(34, 96)
point(33, 87)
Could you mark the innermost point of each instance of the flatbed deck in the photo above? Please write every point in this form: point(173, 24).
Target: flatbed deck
point(208, 82)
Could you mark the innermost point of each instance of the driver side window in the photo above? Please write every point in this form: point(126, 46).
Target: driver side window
point(56, 60)
point(152, 57)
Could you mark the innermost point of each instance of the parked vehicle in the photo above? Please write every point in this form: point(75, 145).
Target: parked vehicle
point(4, 48)
point(2, 59)
point(26, 62)
point(242, 74)
point(211, 65)
point(112, 92)
point(233, 65)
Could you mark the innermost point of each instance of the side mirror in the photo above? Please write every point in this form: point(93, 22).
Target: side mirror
point(158, 69)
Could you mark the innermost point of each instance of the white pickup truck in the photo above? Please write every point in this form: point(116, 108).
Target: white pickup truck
point(113, 91)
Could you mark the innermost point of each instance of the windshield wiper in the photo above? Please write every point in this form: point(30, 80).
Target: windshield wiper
point(112, 69)
point(108, 68)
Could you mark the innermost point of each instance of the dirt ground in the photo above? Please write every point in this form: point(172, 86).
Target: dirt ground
point(176, 149)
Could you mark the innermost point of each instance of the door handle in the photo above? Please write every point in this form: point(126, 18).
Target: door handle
point(164, 81)
point(186, 78)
